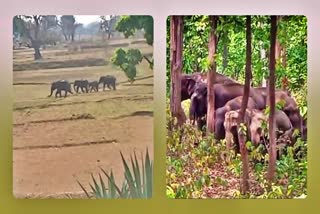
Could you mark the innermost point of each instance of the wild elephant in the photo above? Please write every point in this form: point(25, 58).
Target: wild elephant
point(109, 81)
point(82, 84)
point(234, 104)
point(254, 120)
point(290, 107)
point(189, 81)
point(222, 94)
point(61, 85)
point(94, 86)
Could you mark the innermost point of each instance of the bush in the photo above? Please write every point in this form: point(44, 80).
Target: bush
point(201, 167)
point(137, 183)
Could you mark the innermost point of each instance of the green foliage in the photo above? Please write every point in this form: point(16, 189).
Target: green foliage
point(231, 31)
point(137, 183)
point(127, 61)
point(198, 166)
point(129, 24)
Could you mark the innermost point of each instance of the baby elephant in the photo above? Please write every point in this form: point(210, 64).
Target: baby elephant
point(233, 104)
point(94, 86)
point(109, 81)
point(82, 84)
point(254, 120)
point(282, 124)
point(61, 85)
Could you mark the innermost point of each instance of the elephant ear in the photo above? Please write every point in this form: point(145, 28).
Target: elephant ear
point(248, 116)
point(190, 82)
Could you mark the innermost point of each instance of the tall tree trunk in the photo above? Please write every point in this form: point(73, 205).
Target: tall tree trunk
point(242, 135)
point(212, 45)
point(36, 41)
point(271, 89)
point(73, 32)
point(36, 47)
point(176, 44)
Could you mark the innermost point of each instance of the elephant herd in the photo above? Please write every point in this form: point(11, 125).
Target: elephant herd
point(228, 95)
point(84, 85)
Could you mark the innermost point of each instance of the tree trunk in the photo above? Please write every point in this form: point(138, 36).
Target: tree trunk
point(176, 44)
point(36, 41)
point(212, 47)
point(242, 135)
point(271, 90)
point(36, 47)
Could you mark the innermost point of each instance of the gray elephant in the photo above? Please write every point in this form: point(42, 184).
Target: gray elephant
point(109, 81)
point(82, 84)
point(94, 86)
point(61, 85)
point(254, 120)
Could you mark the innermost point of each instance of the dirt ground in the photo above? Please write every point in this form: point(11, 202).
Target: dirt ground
point(59, 141)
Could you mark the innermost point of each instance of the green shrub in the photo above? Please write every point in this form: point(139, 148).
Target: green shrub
point(137, 183)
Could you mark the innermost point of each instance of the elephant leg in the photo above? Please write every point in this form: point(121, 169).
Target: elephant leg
point(65, 95)
point(104, 86)
point(109, 86)
point(82, 89)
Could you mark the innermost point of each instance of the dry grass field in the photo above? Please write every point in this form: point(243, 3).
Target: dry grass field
point(57, 141)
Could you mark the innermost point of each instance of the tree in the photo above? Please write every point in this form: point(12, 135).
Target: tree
point(176, 45)
point(107, 25)
point(127, 61)
point(34, 28)
point(128, 25)
point(241, 132)
point(272, 135)
point(212, 47)
point(68, 25)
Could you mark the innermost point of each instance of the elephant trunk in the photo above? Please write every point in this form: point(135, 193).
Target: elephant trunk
point(52, 89)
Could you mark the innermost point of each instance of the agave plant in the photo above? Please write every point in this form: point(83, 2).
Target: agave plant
point(137, 183)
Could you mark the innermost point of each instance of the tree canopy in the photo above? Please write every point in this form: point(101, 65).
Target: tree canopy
point(129, 24)
point(292, 36)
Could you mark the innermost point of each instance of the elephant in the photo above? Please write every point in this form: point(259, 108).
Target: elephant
point(82, 84)
point(290, 107)
point(222, 93)
point(189, 81)
point(109, 81)
point(254, 120)
point(61, 85)
point(234, 104)
point(94, 86)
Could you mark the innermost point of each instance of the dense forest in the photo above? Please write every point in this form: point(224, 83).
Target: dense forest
point(236, 106)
